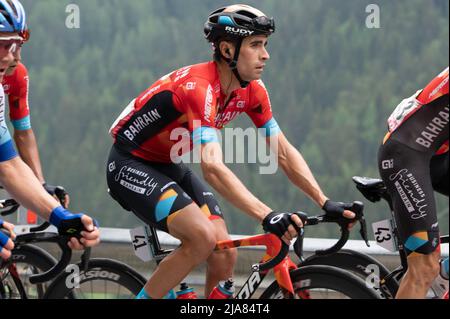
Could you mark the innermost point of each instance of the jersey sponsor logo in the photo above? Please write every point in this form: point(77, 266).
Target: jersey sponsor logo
point(181, 73)
point(223, 118)
point(4, 132)
point(136, 180)
point(239, 31)
point(208, 104)
point(166, 186)
point(140, 123)
point(434, 128)
point(149, 92)
point(387, 164)
point(112, 167)
point(26, 78)
point(261, 83)
point(411, 193)
point(191, 85)
point(438, 88)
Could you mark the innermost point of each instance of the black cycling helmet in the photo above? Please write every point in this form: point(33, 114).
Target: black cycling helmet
point(237, 22)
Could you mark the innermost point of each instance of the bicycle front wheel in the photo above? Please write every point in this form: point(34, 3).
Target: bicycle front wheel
point(103, 279)
point(323, 282)
point(27, 260)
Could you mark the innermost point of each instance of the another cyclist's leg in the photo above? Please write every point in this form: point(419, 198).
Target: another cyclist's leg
point(158, 200)
point(221, 263)
point(194, 231)
point(406, 175)
point(439, 167)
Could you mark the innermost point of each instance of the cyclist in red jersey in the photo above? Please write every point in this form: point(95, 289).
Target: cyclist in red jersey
point(16, 86)
point(186, 108)
point(413, 163)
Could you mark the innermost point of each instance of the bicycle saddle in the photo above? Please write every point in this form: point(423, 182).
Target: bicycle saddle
point(373, 189)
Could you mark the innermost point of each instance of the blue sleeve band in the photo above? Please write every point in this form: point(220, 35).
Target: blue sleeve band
point(204, 134)
point(7, 151)
point(271, 128)
point(59, 214)
point(22, 124)
point(3, 240)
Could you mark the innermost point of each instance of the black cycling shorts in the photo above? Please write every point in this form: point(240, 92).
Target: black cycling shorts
point(156, 192)
point(412, 172)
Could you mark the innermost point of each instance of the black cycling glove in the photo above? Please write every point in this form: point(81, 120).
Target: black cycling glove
point(277, 223)
point(335, 209)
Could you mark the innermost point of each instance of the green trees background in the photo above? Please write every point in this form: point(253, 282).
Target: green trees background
point(333, 82)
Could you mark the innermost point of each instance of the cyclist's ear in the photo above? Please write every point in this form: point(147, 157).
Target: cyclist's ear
point(225, 49)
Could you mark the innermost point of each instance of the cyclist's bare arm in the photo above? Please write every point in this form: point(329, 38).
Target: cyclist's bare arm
point(298, 171)
point(225, 182)
point(20, 181)
point(27, 146)
point(296, 168)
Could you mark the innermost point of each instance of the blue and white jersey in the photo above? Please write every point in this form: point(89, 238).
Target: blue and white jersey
point(7, 150)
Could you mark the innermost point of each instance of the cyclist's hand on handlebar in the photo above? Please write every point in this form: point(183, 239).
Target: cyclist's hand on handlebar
point(89, 237)
point(82, 229)
point(338, 209)
point(64, 198)
point(284, 225)
point(6, 239)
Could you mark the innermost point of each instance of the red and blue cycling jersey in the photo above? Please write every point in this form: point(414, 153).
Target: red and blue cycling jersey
point(187, 100)
point(16, 87)
point(405, 111)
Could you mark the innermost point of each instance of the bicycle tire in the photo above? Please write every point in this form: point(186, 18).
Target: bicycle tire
point(321, 277)
point(357, 263)
point(98, 269)
point(38, 260)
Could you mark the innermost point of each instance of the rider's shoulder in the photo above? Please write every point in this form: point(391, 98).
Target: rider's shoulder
point(195, 77)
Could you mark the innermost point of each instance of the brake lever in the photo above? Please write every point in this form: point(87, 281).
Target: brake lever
point(363, 231)
point(61, 193)
point(85, 258)
point(9, 203)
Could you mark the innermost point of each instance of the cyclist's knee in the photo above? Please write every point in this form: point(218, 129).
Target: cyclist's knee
point(223, 258)
point(200, 242)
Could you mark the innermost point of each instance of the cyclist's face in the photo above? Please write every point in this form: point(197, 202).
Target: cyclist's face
point(17, 58)
point(7, 48)
point(253, 57)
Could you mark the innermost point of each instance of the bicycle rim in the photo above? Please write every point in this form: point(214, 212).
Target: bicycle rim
point(362, 265)
point(103, 279)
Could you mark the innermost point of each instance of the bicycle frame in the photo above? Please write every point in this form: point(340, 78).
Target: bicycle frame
point(281, 271)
